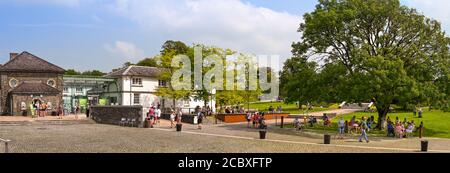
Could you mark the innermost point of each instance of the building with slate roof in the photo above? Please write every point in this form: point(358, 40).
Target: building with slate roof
point(137, 85)
point(26, 80)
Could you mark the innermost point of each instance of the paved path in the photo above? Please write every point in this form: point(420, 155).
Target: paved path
point(221, 138)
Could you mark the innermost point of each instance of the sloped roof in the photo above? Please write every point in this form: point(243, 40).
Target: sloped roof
point(32, 87)
point(141, 71)
point(27, 62)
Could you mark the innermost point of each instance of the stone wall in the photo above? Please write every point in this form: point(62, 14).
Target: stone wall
point(21, 77)
point(113, 114)
point(54, 100)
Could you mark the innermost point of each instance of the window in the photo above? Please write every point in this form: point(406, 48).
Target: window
point(137, 81)
point(51, 83)
point(13, 83)
point(66, 89)
point(162, 83)
point(79, 89)
point(136, 99)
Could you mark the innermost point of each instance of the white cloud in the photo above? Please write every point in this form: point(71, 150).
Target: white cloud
point(129, 51)
point(228, 24)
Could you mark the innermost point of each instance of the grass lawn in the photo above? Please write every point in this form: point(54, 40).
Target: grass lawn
point(288, 108)
point(437, 123)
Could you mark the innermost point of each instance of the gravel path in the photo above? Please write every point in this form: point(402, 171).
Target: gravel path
point(223, 138)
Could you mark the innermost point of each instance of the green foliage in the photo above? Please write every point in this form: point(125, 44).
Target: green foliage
point(376, 51)
point(149, 62)
point(223, 97)
point(73, 72)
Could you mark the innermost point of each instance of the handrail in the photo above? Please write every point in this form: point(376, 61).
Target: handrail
point(6, 141)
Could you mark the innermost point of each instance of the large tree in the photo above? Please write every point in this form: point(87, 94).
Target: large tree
point(297, 81)
point(171, 49)
point(390, 53)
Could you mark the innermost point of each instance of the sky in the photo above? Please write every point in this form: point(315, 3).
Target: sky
point(103, 34)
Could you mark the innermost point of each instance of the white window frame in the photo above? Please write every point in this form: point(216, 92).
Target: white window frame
point(138, 97)
point(136, 81)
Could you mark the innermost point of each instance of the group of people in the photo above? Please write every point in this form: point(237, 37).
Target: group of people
point(175, 117)
point(154, 115)
point(234, 110)
point(257, 119)
point(401, 129)
point(40, 109)
point(279, 109)
point(364, 126)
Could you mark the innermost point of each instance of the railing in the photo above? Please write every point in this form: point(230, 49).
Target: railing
point(6, 144)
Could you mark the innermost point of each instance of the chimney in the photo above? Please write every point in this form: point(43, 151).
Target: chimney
point(12, 56)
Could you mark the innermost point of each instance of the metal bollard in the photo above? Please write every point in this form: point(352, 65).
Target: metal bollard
point(424, 145)
point(327, 139)
point(282, 122)
point(6, 147)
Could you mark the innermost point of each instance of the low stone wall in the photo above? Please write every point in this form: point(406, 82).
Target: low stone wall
point(113, 114)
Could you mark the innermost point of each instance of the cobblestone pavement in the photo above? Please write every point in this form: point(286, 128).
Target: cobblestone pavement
point(221, 138)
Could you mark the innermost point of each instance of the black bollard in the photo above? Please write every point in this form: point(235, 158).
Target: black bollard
point(424, 146)
point(262, 134)
point(327, 139)
point(179, 126)
point(282, 122)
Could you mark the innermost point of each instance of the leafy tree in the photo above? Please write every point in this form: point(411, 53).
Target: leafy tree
point(93, 73)
point(170, 49)
point(391, 53)
point(149, 62)
point(297, 81)
point(72, 72)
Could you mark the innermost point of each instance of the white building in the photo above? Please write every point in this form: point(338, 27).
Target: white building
point(136, 85)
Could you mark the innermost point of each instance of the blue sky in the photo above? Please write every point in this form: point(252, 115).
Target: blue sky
point(103, 34)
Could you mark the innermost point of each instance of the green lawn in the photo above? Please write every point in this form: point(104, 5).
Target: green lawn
point(288, 108)
point(437, 123)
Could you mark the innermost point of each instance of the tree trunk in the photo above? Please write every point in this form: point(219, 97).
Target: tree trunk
point(174, 105)
point(382, 114)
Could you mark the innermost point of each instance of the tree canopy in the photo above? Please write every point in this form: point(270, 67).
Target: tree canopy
point(374, 50)
point(85, 73)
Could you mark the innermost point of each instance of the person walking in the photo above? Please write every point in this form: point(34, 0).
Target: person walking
point(88, 110)
point(60, 112)
point(77, 110)
point(341, 128)
point(151, 114)
point(200, 119)
point(172, 119)
point(158, 115)
point(249, 118)
point(363, 130)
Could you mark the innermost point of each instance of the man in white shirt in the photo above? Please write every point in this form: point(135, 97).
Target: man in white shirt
point(158, 114)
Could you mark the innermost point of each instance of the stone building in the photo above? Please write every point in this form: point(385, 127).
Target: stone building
point(27, 79)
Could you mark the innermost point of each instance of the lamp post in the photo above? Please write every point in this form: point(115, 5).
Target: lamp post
point(213, 93)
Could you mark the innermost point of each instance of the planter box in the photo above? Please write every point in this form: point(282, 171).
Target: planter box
point(232, 118)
